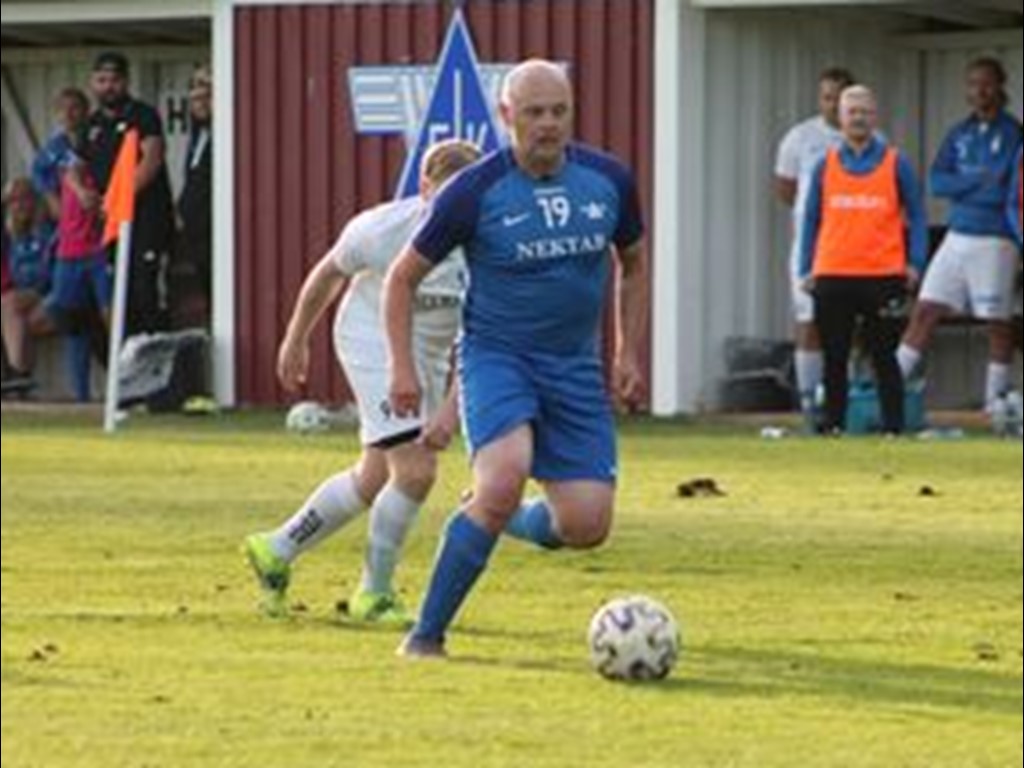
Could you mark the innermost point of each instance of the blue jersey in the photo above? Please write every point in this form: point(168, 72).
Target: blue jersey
point(51, 161)
point(31, 257)
point(1013, 208)
point(537, 250)
point(973, 170)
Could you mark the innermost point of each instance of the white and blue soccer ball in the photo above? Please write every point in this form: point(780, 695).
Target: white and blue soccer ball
point(307, 418)
point(634, 639)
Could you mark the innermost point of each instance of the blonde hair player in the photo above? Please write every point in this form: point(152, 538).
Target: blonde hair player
point(398, 465)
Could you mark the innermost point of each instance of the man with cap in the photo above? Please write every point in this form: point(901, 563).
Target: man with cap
point(116, 113)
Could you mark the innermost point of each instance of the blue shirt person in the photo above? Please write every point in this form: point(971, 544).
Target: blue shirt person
point(974, 270)
point(1013, 208)
point(864, 164)
point(29, 239)
point(540, 224)
point(71, 109)
point(973, 169)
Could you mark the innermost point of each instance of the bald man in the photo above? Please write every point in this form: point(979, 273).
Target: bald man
point(543, 223)
point(856, 259)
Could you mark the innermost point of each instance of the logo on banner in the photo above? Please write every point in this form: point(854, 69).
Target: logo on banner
point(453, 100)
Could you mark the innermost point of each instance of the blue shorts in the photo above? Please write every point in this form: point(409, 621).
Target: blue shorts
point(80, 283)
point(564, 400)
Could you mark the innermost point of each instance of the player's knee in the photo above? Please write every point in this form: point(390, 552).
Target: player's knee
point(415, 473)
point(498, 498)
point(587, 528)
point(807, 337)
point(370, 479)
point(1002, 341)
point(587, 534)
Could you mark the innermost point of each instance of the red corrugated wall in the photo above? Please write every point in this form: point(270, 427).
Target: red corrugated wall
point(301, 171)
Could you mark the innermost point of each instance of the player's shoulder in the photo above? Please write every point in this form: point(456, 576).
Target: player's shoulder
point(804, 131)
point(1011, 124)
point(600, 161)
point(142, 111)
point(962, 126)
point(389, 213)
point(477, 178)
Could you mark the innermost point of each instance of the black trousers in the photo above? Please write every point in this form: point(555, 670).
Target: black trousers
point(879, 307)
point(148, 309)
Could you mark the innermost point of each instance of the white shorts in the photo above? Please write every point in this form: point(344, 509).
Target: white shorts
point(803, 302)
point(973, 274)
point(362, 350)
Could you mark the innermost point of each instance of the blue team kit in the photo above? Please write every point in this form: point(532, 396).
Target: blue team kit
point(541, 244)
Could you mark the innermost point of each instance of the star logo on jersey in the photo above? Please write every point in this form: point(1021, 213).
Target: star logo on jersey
point(595, 211)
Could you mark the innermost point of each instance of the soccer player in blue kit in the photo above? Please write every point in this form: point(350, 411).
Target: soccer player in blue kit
point(540, 222)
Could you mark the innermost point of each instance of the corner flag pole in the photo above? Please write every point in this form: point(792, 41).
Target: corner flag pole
point(119, 207)
point(117, 318)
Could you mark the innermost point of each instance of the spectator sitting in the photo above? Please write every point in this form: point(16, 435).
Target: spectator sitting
point(28, 243)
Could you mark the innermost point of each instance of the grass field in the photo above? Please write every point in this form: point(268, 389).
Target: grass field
point(833, 616)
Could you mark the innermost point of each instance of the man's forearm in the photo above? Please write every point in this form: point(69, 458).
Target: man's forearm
point(398, 304)
point(318, 292)
point(633, 299)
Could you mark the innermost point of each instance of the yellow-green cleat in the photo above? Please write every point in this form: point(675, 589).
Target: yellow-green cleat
point(272, 572)
point(381, 608)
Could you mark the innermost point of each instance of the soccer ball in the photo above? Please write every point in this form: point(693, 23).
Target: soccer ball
point(634, 639)
point(307, 417)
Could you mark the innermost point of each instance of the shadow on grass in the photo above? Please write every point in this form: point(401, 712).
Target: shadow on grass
point(768, 674)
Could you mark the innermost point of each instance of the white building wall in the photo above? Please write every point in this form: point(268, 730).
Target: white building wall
point(761, 71)
point(744, 77)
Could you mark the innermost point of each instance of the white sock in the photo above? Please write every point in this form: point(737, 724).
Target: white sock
point(909, 360)
point(391, 518)
point(997, 383)
point(332, 505)
point(810, 370)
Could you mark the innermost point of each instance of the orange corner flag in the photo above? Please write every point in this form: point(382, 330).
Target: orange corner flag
point(119, 201)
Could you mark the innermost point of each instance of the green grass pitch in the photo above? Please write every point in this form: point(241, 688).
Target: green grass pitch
point(833, 616)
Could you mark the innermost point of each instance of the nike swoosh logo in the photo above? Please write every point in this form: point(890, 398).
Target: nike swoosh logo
point(511, 221)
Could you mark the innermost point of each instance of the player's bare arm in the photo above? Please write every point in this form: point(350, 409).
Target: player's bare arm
point(631, 307)
point(785, 190)
point(400, 286)
point(440, 430)
point(151, 161)
point(320, 289)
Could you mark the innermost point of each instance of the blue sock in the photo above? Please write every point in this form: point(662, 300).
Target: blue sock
point(534, 523)
point(77, 350)
point(465, 550)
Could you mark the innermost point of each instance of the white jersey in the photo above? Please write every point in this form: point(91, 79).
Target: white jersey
point(369, 244)
point(803, 147)
point(367, 247)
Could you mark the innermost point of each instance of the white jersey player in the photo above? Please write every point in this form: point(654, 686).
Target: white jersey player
point(802, 148)
point(398, 464)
